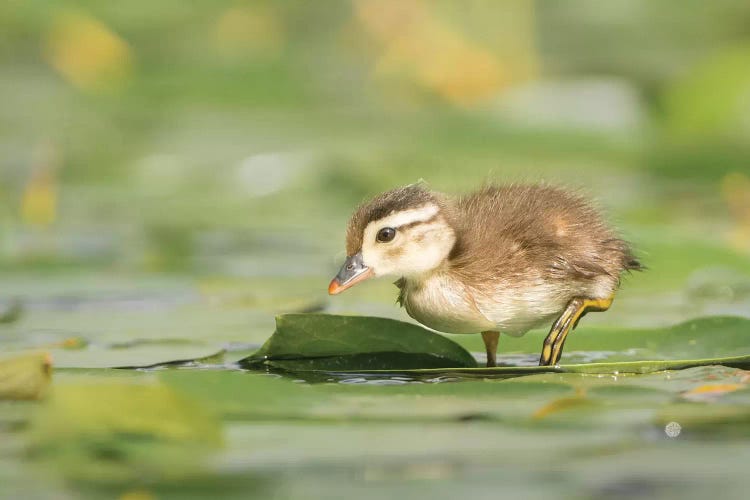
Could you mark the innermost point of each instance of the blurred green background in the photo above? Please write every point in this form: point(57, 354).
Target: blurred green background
point(234, 138)
point(182, 171)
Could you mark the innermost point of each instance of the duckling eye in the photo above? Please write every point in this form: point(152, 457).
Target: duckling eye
point(386, 234)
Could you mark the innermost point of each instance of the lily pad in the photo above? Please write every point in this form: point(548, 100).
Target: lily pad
point(329, 342)
point(130, 355)
point(374, 345)
point(24, 377)
point(121, 430)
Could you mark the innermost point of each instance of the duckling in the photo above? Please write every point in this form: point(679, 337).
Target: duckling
point(506, 258)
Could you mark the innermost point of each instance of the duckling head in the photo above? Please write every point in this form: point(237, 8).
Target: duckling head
point(403, 232)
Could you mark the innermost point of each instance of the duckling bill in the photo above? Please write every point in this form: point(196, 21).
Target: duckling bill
point(503, 259)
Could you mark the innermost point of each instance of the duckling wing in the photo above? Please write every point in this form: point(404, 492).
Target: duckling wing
point(531, 232)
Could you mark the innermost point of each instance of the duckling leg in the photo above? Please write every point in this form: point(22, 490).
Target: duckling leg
point(490, 344)
point(568, 320)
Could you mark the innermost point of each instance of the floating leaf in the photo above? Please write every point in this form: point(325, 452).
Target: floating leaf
point(711, 392)
point(25, 377)
point(76, 353)
point(374, 345)
point(328, 342)
point(250, 396)
point(122, 406)
point(11, 313)
point(562, 404)
point(121, 430)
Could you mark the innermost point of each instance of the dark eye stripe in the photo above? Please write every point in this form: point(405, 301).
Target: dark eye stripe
point(387, 234)
point(416, 223)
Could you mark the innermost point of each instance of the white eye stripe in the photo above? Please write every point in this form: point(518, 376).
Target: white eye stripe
point(427, 229)
point(407, 217)
point(435, 221)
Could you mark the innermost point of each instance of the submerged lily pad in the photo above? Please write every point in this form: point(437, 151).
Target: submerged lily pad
point(329, 342)
point(363, 344)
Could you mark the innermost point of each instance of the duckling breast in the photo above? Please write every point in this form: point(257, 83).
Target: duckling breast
point(443, 304)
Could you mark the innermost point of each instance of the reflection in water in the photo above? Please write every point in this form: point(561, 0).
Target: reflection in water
point(391, 377)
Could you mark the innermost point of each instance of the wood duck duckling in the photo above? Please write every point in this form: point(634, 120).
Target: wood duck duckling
point(501, 259)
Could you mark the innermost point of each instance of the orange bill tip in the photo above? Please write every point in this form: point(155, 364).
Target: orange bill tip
point(336, 287)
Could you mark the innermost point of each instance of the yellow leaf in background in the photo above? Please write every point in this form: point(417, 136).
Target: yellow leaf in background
point(439, 55)
point(735, 190)
point(248, 30)
point(137, 495)
point(73, 343)
point(711, 392)
point(562, 404)
point(25, 377)
point(87, 53)
point(39, 202)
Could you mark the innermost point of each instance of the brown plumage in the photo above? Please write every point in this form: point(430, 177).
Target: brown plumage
point(403, 198)
point(503, 258)
point(510, 229)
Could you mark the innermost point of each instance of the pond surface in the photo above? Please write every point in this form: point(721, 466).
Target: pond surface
point(192, 420)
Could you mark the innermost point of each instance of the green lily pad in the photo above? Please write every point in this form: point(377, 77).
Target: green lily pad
point(328, 342)
point(130, 355)
point(374, 345)
point(120, 430)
